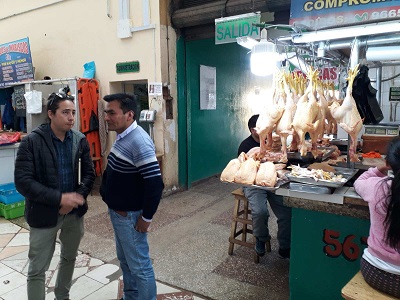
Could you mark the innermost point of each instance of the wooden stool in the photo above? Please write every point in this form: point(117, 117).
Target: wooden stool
point(358, 289)
point(242, 215)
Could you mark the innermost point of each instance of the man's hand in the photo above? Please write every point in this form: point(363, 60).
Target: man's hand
point(142, 226)
point(69, 201)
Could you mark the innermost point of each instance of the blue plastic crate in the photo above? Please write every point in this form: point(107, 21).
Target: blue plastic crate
point(8, 194)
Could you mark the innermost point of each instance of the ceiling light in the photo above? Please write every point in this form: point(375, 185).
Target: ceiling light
point(246, 41)
point(382, 53)
point(263, 57)
point(347, 32)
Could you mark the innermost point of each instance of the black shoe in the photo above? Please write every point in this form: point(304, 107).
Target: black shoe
point(284, 253)
point(260, 247)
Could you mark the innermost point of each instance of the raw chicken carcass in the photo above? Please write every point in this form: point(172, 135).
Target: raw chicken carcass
point(247, 172)
point(266, 175)
point(347, 115)
point(242, 157)
point(307, 113)
point(317, 127)
point(269, 118)
point(284, 126)
point(331, 125)
point(228, 174)
point(254, 153)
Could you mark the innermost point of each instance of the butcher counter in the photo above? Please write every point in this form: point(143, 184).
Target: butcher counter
point(329, 234)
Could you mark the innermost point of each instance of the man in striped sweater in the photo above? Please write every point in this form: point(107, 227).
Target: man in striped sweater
point(131, 187)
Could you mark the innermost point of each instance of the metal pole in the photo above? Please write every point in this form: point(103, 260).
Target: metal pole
point(379, 85)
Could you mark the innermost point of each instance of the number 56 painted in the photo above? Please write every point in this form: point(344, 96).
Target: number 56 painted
point(334, 248)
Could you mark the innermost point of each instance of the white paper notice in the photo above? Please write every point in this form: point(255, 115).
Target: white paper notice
point(208, 87)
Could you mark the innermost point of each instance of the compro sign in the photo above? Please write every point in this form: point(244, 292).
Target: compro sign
point(230, 28)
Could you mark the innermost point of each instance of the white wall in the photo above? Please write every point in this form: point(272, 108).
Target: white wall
point(65, 34)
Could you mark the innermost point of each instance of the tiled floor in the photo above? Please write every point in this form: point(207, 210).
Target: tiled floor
point(93, 279)
point(188, 241)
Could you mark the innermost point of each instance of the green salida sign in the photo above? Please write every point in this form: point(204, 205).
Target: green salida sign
point(230, 28)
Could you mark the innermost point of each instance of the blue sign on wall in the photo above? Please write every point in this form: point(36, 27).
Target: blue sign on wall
point(317, 14)
point(15, 63)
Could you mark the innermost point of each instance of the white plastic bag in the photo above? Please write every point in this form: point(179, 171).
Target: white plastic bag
point(33, 102)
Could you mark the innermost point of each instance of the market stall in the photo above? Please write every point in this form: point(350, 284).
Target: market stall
point(329, 234)
point(342, 132)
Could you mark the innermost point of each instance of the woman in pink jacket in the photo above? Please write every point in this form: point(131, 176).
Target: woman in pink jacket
point(380, 263)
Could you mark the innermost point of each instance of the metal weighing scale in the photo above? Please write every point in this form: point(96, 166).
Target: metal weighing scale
point(148, 116)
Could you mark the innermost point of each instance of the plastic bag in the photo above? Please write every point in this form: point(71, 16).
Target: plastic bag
point(33, 102)
point(90, 70)
point(9, 138)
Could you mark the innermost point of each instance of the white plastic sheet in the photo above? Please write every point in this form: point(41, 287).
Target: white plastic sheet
point(33, 102)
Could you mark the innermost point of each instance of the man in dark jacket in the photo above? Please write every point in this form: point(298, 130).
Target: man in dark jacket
point(54, 171)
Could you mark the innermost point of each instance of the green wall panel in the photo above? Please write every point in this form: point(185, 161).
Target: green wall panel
point(182, 112)
point(213, 136)
point(325, 253)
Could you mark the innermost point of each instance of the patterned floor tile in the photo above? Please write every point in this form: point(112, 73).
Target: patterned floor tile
point(9, 228)
point(11, 251)
point(94, 262)
point(4, 270)
point(83, 287)
point(20, 239)
point(20, 255)
point(82, 260)
point(16, 294)
point(109, 291)
point(101, 273)
point(176, 296)
point(17, 265)
point(5, 239)
point(11, 281)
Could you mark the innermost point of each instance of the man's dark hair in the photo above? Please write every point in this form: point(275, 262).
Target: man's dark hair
point(252, 122)
point(53, 102)
point(127, 102)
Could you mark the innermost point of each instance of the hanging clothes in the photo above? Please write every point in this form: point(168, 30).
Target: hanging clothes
point(19, 101)
point(5, 94)
point(8, 114)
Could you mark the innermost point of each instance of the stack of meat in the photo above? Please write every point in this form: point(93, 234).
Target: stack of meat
point(246, 170)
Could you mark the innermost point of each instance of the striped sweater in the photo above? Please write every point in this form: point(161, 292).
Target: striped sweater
point(132, 180)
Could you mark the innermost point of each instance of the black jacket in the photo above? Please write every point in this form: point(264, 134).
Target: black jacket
point(36, 175)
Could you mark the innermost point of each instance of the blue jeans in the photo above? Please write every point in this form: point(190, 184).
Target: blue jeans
point(133, 256)
point(259, 211)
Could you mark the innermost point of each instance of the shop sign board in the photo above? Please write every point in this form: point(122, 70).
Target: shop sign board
point(15, 62)
point(317, 14)
point(126, 67)
point(327, 72)
point(394, 93)
point(230, 28)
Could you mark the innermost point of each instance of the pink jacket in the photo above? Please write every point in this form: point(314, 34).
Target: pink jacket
point(372, 187)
